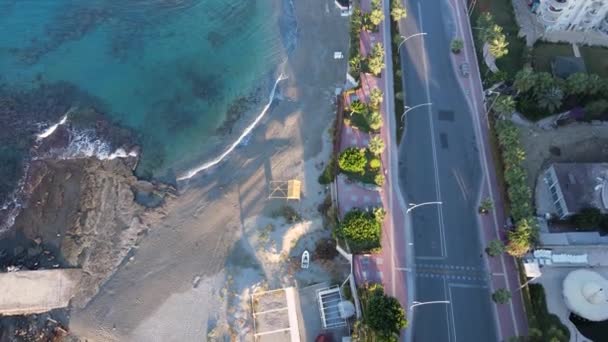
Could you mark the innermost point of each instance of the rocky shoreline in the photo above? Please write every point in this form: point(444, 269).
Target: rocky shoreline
point(77, 202)
point(80, 213)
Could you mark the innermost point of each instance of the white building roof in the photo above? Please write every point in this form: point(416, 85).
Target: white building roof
point(585, 294)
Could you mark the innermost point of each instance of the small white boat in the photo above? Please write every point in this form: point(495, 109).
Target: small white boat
point(305, 259)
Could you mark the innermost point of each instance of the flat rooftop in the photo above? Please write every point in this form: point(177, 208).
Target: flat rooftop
point(30, 292)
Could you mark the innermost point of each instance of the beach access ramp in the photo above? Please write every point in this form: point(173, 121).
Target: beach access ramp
point(30, 292)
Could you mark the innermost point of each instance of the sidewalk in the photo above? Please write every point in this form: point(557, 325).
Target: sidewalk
point(511, 317)
point(372, 267)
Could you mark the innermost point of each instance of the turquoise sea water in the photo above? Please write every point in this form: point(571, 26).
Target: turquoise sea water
point(168, 69)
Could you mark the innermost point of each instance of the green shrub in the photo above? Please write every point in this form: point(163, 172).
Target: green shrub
point(379, 179)
point(329, 173)
point(501, 296)
point(456, 45)
point(587, 218)
point(352, 160)
point(361, 230)
point(384, 315)
point(374, 164)
point(495, 248)
point(518, 191)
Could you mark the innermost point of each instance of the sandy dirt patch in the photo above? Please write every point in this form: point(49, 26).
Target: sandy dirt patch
point(577, 142)
point(191, 277)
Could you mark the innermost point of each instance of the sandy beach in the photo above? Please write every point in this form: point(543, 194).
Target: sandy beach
point(190, 278)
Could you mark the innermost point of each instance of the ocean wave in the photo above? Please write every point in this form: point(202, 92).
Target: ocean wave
point(81, 144)
point(191, 173)
point(49, 131)
point(12, 206)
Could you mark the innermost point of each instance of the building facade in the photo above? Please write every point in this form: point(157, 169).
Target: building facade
point(563, 189)
point(573, 15)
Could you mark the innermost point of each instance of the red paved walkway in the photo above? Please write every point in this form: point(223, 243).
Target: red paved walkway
point(376, 267)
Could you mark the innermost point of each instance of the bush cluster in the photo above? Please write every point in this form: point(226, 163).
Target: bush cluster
point(520, 196)
point(361, 229)
point(353, 160)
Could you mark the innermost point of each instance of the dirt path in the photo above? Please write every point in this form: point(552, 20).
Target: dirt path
point(190, 278)
point(578, 142)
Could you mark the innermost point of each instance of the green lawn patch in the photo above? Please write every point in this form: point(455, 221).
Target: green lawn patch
point(543, 53)
point(596, 60)
point(502, 11)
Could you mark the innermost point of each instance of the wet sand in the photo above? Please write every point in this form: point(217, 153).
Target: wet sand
point(158, 295)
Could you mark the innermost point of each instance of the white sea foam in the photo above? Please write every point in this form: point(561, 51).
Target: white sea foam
point(247, 130)
point(84, 144)
point(47, 132)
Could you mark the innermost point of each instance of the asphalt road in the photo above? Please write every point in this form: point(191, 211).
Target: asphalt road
point(439, 161)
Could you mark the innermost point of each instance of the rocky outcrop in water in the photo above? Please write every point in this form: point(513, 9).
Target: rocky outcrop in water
point(86, 210)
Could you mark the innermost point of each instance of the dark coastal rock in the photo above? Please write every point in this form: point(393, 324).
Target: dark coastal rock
point(76, 207)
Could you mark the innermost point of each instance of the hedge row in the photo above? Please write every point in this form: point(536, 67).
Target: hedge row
point(520, 195)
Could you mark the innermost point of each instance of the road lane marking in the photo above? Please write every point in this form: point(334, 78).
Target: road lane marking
point(442, 240)
point(461, 184)
point(483, 161)
point(449, 309)
point(430, 258)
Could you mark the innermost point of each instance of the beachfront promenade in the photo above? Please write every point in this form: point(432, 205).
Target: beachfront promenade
point(379, 267)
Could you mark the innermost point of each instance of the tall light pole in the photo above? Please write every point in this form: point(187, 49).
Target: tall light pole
point(414, 206)
point(408, 37)
point(527, 282)
point(416, 303)
point(408, 108)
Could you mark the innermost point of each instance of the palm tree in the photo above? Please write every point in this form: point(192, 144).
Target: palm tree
point(498, 46)
point(544, 83)
point(457, 45)
point(376, 145)
point(577, 83)
point(398, 12)
point(551, 100)
point(485, 22)
point(375, 62)
point(357, 107)
point(524, 80)
point(355, 63)
point(376, 16)
point(504, 105)
point(375, 98)
point(374, 120)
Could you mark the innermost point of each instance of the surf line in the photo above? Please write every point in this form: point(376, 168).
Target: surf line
point(247, 130)
point(47, 132)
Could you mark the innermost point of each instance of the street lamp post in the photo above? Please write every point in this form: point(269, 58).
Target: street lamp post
point(408, 37)
point(414, 206)
point(416, 303)
point(527, 282)
point(408, 108)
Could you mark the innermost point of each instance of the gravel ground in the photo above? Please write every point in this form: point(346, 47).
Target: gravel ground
point(577, 142)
